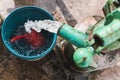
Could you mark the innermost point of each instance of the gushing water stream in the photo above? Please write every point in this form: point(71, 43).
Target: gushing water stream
point(26, 37)
point(48, 25)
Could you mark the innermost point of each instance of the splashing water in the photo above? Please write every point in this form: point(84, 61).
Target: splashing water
point(23, 47)
point(32, 34)
point(49, 25)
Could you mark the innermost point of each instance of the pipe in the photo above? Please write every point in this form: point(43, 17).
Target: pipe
point(74, 36)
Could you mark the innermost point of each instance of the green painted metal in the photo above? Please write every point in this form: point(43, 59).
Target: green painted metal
point(106, 36)
point(83, 56)
point(74, 36)
point(113, 46)
point(110, 6)
point(109, 29)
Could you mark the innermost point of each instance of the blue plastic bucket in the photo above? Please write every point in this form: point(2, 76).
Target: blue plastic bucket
point(19, 17)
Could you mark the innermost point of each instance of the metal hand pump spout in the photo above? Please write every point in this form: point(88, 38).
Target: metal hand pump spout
point(77, 38)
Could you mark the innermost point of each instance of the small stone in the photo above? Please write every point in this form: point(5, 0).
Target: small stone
point(0, 21)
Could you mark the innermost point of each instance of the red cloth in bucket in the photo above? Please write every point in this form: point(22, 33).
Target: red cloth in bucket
point(34, 38)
